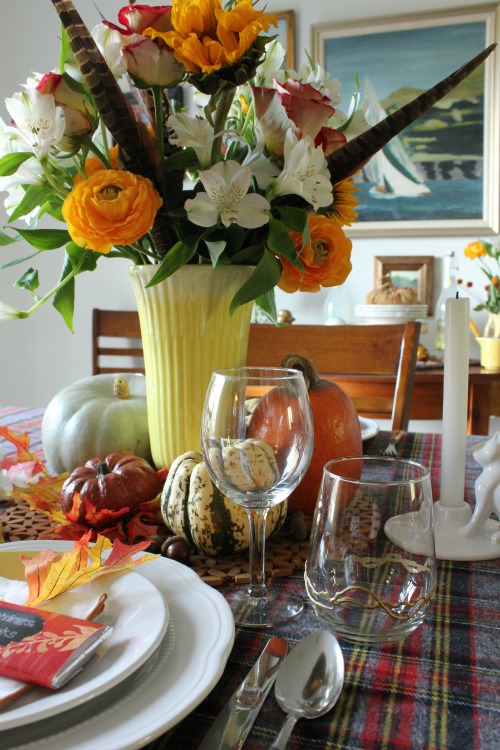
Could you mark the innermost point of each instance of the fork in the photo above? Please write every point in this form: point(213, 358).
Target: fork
point(390, 449)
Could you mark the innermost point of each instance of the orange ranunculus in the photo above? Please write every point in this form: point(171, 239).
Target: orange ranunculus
point(475, 250)
point(326, 257)
point(93, 164)
point(206, 37)
point(112, 207)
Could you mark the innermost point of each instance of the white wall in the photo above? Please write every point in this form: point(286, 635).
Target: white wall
point(39, 356)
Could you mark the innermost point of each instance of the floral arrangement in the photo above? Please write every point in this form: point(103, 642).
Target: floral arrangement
point(260, 176)
point(480, 251)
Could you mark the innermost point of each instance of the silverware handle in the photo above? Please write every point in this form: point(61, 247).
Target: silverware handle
point(284, 734)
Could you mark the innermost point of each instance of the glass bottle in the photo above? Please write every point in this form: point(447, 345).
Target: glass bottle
point(337, 307)
point(449, 289)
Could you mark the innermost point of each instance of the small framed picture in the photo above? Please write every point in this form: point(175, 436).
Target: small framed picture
point(286, 35)
point(416, 272)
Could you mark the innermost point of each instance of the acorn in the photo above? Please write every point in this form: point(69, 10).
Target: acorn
point(176, 548)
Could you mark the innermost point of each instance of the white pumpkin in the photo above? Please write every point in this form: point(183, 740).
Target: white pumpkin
point(94, 417)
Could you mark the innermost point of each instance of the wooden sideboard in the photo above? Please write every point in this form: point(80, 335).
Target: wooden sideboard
point(427, 400)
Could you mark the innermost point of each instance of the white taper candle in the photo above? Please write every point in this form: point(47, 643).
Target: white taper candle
point(455, 395)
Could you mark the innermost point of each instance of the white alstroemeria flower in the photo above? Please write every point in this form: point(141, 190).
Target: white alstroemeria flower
point(263, 170)
point(9, 313)
point(305, 173)
point(273, 60)
point(29, 173)
point(5, 485)
point(195, 132)
point(39, 121)
point(227, 198)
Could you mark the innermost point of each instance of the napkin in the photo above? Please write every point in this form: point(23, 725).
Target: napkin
point(78, 603)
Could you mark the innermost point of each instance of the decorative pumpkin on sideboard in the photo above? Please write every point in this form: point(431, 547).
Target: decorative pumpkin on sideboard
point(96, 416)
point(337, 431)
point(194, 508)
point(105, 489)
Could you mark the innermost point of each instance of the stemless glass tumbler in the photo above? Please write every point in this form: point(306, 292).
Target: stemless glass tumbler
point(371, 568)
point(257, 441)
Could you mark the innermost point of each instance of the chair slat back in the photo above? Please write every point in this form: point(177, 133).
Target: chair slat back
point(354, 356)
point(124, 326)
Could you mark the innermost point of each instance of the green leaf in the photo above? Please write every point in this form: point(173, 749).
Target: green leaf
point(180, 254)
point(267, 303)
point(264, 278)
point(279, 241)
point(64, 302)
point(90, 257)
point(29, 281)
point(10, 163)
point(215, 249)
point(34, 196)
point(45, 239)
point(6, 240)
point(295, 219)
point(181, 159)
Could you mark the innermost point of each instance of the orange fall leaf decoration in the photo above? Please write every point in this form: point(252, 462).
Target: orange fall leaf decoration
point(44, 495)
point(49, 574)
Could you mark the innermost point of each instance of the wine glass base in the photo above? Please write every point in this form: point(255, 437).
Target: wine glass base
point(268, 611)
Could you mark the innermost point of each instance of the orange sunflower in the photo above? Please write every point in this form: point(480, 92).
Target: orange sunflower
point(206, 37)
point(326, 257)
point(344, 203)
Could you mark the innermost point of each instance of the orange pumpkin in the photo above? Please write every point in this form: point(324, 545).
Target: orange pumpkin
point(106, 489)
point(337, 432)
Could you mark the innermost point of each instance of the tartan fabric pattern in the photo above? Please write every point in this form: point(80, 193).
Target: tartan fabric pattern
point(438, 690)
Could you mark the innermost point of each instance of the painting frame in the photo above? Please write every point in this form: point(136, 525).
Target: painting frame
point(348, 37)
point(286, 35)
point(422, 266)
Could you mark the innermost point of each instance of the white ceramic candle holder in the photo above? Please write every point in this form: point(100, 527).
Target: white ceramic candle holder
point(463, 535)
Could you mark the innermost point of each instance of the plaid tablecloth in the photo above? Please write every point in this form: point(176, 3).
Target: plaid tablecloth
point(440, 689)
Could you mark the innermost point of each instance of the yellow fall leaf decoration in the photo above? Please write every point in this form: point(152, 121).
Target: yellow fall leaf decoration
point(49, 573)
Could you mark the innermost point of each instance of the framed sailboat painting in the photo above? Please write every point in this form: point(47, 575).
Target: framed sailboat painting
point(441, 175)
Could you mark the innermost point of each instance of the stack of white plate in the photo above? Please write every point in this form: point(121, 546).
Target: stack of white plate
point(389, 313)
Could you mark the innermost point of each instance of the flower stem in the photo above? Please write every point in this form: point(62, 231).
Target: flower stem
point(41, 300)
point(158, 108)
point(223, 106)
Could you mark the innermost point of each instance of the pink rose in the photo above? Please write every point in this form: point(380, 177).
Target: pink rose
point(152, 64)
point(136, 18)
point(74, 104)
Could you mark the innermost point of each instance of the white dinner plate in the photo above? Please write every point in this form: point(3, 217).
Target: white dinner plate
point(369, 428)
point(165, 690)
point(132, 602)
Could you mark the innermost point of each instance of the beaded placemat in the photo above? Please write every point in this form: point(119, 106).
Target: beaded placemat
point(283, 556)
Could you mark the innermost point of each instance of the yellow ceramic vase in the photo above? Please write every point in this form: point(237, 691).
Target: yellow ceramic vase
point(187, 333)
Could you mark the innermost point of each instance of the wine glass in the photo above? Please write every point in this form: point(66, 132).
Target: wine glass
point(257, 441)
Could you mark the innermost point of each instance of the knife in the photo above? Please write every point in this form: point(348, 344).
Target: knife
point(232, 725)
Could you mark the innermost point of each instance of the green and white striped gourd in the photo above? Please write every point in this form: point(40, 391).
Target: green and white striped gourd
point(194, 508)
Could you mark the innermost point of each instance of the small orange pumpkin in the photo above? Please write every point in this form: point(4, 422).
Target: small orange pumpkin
point(106, 489)
point(337, 431)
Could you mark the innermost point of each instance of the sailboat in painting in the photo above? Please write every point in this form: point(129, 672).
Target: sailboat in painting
point(390, 168)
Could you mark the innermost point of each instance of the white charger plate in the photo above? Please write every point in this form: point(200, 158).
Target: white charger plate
point(132, 602)
point(369, 428)
point(165, 690)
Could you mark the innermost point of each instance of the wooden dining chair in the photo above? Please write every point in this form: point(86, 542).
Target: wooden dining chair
point(360, 358)
point(123, 344)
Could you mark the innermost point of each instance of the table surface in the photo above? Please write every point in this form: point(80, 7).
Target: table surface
point(439, 689)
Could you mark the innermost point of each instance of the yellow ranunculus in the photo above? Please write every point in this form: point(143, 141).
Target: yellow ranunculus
point(475, 250)
point(206, 37)
point(111, 208)
point(326, 257)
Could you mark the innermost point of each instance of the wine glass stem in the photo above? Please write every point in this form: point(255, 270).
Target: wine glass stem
point(257, 528)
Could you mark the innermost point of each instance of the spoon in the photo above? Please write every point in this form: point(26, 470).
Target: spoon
point(309, 681)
